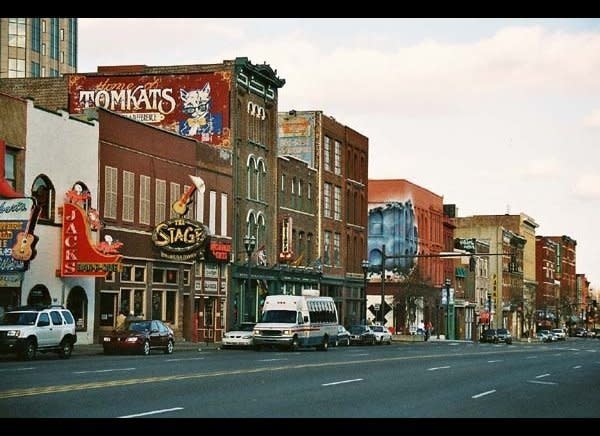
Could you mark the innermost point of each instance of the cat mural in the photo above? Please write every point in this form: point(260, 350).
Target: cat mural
point(200, 122)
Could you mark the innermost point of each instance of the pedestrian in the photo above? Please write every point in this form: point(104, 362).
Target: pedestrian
point(121, 320)
point(428, 328)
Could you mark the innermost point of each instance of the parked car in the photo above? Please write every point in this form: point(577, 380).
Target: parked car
point(361, 334)
point(580, 332)
point(382, 334)
point(29, 329)
point(241, 336)
point(503, 335)
point(140, 336)
point(343, 336)
point(560, 334)
point(546, 336)
point(488, 335)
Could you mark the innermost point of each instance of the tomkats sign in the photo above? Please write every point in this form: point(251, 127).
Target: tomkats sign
point(195, 105)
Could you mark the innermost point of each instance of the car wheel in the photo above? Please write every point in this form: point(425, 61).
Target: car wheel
point(325, 345)
point(347, 342)
point(146, 348)
point(169, 348)
point(295, 344)
point(336, 343)
point(66, 348)
point(29, 350)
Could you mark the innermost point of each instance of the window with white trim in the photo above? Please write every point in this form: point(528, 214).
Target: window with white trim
point(327, 154)
point(223, 214)
point(337, 203)
point(212, 211)
point(337, 258)
point(133, 273)
point(327, 200)
point(110, 192)
point(144, 199)
point(132, 301)
point(128, 196)
point(160, 201)
point(164, 305)
point(337, 158)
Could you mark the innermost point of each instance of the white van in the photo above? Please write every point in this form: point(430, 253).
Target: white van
point(293, 321)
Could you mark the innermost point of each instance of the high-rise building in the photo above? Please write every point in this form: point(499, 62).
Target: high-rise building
point(37, 47)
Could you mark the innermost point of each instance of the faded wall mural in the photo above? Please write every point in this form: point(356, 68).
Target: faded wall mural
point(393, 224)
point(297, 136)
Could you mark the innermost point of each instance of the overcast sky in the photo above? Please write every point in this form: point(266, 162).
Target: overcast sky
point(495, 115)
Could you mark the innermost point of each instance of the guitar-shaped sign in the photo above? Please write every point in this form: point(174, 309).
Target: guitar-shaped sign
point(23, 247)
point(180, 206)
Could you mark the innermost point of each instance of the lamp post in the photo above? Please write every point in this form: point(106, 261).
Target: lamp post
point(365, 267)
point(447, 286)
point(249, 244)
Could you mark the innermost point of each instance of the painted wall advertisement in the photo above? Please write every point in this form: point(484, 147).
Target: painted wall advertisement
point(17, 242)
point(194, 105)
point(296, 136)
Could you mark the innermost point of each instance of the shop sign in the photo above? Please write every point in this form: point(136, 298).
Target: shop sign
point(180, 239)
point(18, 217)
point(219, 249)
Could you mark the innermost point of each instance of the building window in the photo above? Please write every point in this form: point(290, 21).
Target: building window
point(337, 158)
point(43, 49)
point(336, 249)
point(133, 273)
point(72, 42)
point(35, 69)
point(283, 183)
point(43, 26)
point(309, 191)
point(16, 67)
point(327, 154)
point(62, 34)
point(43, 191)
point(174, 195)
point(35, 34)
point(260, 230)
point(327, 200)
point(110, 192)
point(212, 211)
point(16, 32)
point(293, 185)
point(164, 275)
point(224, 214)
point(132, 301)
point(62, 57)
point(251, 171)
point(164, 305)
point(160, 202)
point(54, 35)
point(144, 200)
point(77, 303)
point(261, 180)
point(326, 248)
point(53, 72)
point(43, 72)
point(337, 203)
point(128, 196)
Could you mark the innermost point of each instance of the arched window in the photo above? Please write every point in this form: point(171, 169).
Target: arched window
point(376, 223)
point(261, 179)
point(251, 175)
point(260, 229)
point(43, 191)
point(77, 303)
point(39, 296)
point(251, 224)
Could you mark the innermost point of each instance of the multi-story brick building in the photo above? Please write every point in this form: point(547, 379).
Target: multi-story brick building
point(340, 156)
point(37, 47)
point(409, 220)
point(567, 305)
point(548, 288)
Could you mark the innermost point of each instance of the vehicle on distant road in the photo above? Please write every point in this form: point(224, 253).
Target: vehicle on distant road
point(140, 336)
point(343, 336)
point(361, 334)
point(560, 334)
point(241, 336)
point(382, 334)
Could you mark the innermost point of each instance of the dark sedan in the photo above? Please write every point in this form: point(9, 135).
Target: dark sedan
point(140, 336)
point(361, 334)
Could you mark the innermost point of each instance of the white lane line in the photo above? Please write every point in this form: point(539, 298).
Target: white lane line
point(541, 382)
point(270, 360)
point(104, 370)
point(573, 349)
point(542, 375)
point(153, 412)
point(437, 367)
point(591, 351)
point(453, 343)
point(16, 369)
point(531, 357)
point(557, 354)
point(342, 382)
point(577, 367)
point(484, 393)
point(186, 358)
point(362, 354)
point(494, 361)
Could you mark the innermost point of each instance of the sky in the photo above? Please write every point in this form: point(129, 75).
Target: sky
point(495, 115)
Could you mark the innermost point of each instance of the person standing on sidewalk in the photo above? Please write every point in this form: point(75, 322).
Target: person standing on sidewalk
point(428, 328)
point(121, 321)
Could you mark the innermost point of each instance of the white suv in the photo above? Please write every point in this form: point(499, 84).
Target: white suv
point(27, 330)
point(382, 334)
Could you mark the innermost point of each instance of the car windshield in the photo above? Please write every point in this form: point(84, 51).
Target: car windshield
point(356, 329)
point(246, 328)
point(502, 331)
point(19, 318)
point(283, 316)
point(377, 328)
point(139, 326)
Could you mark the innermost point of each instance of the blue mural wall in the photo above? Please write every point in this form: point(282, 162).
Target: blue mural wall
point(393, 224)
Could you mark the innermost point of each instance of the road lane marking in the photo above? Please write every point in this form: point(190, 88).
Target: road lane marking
point(484, 393)
point(494, 361)
point(153, 412)
point(573, 349)
point(342, 382)
point(120, 383)
point(531, 357)
point(542, 375)
point(577, 367)
point(437, 367)
point(184, 358)
point(270, 360)
point(103, 370)
point(541, 382)
point(362, 354)
point(16, 369)
point(591, 351)
point(557, 354)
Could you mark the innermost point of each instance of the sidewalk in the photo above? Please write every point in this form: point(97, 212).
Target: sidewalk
point(93, 349)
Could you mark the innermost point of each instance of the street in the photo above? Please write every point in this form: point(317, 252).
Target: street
point(416, 380)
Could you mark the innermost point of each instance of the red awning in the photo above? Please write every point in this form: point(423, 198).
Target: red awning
point(484, 317)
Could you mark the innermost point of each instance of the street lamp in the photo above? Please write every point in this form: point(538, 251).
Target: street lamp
point(381, 315)
point(249, 244)
point(365, 267)
point(447, 287)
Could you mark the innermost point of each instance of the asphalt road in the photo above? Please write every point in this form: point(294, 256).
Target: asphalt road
point(403, 380)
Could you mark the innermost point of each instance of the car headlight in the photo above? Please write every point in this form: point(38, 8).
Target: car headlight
point(227, 336)
point(257, 332)
point(105, 339)
point(246, 336)
point(133, 339)
point(15, 333)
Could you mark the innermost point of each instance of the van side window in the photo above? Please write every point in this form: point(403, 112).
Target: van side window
point(300, 319)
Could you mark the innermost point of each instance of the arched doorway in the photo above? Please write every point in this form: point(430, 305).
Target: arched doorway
point(77, 303)
point(39, 296)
